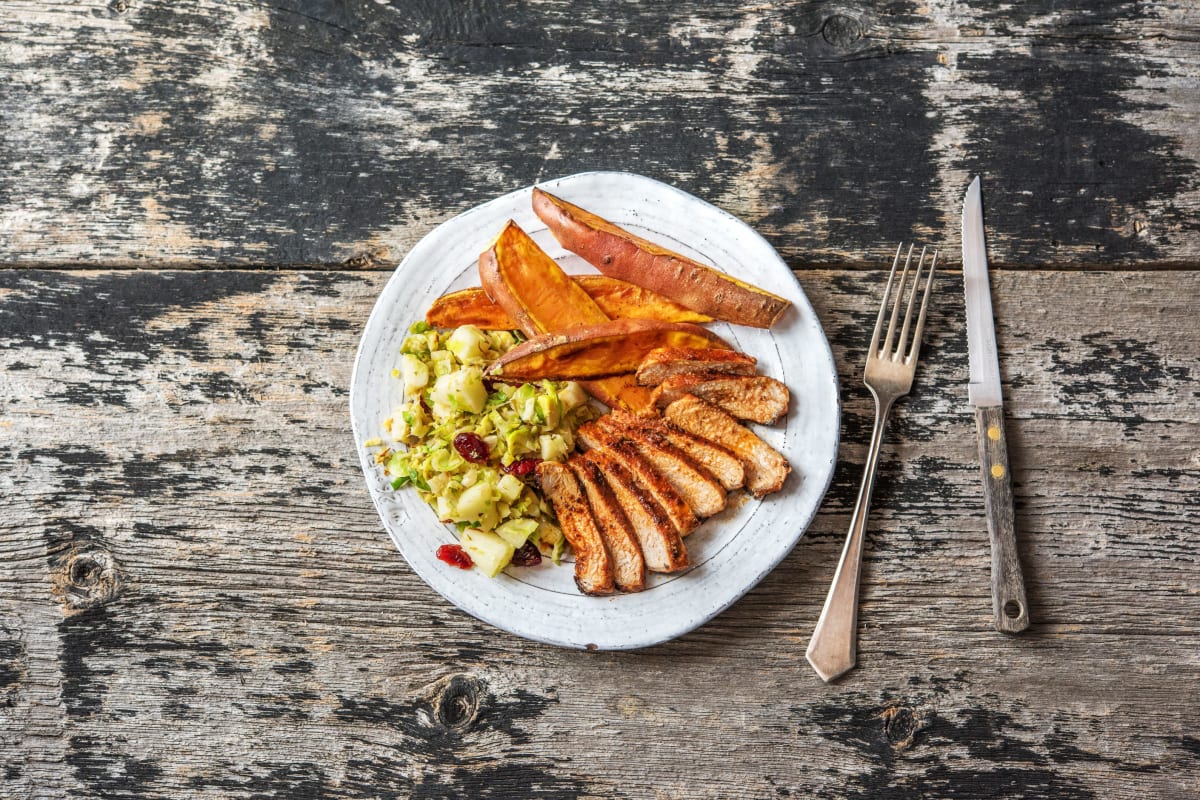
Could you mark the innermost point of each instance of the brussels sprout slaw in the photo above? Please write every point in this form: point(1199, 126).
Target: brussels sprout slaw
point(465, 443)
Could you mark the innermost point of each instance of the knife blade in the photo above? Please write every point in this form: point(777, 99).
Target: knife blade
point(1009, 607)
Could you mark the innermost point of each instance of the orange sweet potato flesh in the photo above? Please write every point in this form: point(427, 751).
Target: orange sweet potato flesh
point(536, 294)
point(620, 254)
point(531, 288)
point(597, 351)
point(616, 298)
point(624, 300)
point(469, 307)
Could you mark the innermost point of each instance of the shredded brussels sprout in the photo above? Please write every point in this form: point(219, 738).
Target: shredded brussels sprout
point(446, 396)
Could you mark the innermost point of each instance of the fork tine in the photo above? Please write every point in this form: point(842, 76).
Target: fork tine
point(884, 304)
point(902, 343)
point(891, 331)
point(916, 345)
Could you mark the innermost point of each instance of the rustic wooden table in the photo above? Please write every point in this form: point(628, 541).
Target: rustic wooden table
point(200, 202)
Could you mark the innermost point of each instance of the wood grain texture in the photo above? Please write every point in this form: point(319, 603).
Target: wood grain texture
point(305, 132)
point(197, 600)
point(1010, 609)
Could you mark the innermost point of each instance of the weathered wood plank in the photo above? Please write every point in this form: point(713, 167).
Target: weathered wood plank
point(303, 132)
point(197, 599)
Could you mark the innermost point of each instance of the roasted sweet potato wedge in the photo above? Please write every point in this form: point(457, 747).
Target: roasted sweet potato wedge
point(531, 288)
point(616, 298)
point(757, 398)
point(534, 291)
point(597, 351)
point(620, 254)
point(660, 364)
point(469, 307)
point(624, 300)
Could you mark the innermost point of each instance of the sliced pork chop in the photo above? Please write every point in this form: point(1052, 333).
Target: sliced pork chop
point(700, 490)
point(593, 566)
point(712, 458)
point(662, 547)
point(766, 469)
point(629, 568)
point(623, 450)
point(756, 398)
point(663, 362)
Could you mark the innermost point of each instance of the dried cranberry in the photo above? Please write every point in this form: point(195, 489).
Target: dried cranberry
point(455, 556)
point(522, 467)
point(472, 447)
point(527, 556)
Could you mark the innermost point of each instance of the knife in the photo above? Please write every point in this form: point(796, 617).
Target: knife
point(1008, 586)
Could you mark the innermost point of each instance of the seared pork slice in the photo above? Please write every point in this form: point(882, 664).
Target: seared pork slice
point(698, 489)
point(766, 470)
point(661, 544)
point(622, 449)
point(663, 362)
point(629, 568)
point(593, 567)
point(712, 458)
point(756, 397)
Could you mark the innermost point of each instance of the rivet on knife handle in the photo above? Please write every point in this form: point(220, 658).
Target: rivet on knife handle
point(1008, 585)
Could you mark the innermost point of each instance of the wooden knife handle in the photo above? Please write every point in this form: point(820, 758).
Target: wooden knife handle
point(1008, 586)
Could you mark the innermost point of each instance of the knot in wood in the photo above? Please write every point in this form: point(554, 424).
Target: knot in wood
point(373, 257)
point(89, 578)
point(456, 702)
point(841, 30)
point(900, 726)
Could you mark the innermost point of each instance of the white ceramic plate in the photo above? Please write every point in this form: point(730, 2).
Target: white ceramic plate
point(731, 552)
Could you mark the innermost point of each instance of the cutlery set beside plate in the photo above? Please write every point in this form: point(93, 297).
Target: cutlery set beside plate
point(733, 551)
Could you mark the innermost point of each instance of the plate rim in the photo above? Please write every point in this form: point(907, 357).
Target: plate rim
point(633, 642)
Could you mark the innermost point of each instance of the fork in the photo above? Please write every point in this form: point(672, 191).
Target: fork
point(889, 376)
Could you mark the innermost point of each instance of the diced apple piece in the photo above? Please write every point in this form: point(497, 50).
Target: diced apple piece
point(489, 552)
point(414, 373)
point(517, 531)
point(467, 344)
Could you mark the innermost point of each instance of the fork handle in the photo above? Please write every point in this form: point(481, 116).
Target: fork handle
point(1010, 611)
point(833, 648)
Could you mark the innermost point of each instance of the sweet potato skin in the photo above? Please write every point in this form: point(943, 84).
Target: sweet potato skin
point(620, 254)
point(618, 299)
point(597, 351)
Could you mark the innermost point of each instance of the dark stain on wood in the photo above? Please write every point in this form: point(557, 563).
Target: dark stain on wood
point(12, 656)
point(112, 776)
point(1083, 175)
point(1121, 376)
point(261, 780)
point(914, 732)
